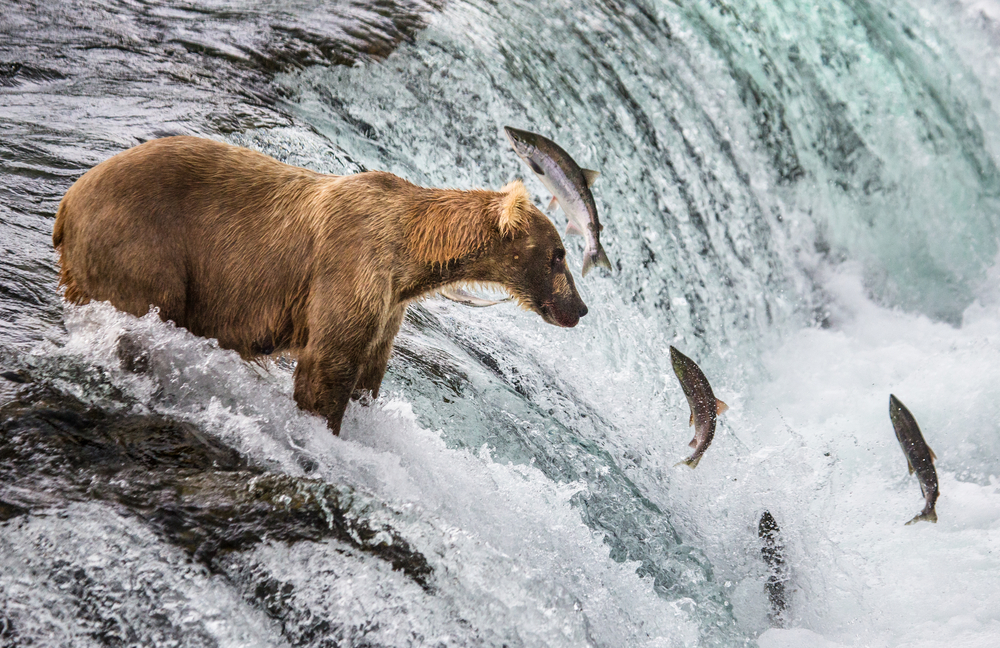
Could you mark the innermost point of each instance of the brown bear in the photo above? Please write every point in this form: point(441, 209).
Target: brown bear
point(267, 257)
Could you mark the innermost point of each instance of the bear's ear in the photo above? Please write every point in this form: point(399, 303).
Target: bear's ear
point(514, 209)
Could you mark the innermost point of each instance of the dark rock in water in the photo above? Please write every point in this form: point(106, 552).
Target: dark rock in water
point(196, 492)
point(131, 355)
point(275, 596)
point(772, 551)
point(50, 433)
point(20, 376)
point(9, 511)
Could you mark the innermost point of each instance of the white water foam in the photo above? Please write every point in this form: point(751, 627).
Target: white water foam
point(820, 454)
point(807, 438)
point(510, 552)
point(811, 442)
point(85, 576)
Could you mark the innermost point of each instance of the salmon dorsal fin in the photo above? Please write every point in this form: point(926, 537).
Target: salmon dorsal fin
point(590, 176)
point(933, 456)
point(552, 204)
point(720, 407)
point(691, 420)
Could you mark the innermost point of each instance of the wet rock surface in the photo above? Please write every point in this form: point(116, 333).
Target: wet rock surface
point(195, 492)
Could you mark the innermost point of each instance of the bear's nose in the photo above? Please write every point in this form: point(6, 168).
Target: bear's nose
point(583, 310)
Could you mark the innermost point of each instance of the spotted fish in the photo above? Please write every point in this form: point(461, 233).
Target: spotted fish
point(919, 457)
point(705, 407)
point(772, 550)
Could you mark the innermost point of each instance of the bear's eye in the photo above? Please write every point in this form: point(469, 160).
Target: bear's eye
point(557, 258)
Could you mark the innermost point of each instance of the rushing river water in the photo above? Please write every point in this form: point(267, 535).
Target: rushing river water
point(802, 197)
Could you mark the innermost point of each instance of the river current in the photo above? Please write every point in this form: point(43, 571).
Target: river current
point(802, 197)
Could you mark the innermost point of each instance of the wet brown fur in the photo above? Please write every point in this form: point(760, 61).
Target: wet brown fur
point(267, 257)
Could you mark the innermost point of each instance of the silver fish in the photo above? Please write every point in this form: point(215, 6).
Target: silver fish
point(919, 457)
point(705, 407)
point(570, 187)
point(462, 296)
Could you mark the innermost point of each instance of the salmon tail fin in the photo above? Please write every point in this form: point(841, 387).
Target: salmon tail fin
point(602, 258)
point(595, 257)
point(720, 407)
point(929, 516)
point(691, 461)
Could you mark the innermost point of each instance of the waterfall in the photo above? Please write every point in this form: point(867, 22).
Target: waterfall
point(803, 198)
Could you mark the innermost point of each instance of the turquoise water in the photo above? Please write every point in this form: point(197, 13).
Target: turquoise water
point(803, 200)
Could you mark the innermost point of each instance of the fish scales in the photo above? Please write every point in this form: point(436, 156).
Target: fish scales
point(570, 188)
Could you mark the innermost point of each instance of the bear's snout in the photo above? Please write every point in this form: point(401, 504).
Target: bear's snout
point(565, 315)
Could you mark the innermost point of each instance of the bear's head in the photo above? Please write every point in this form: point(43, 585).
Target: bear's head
point(532, 261)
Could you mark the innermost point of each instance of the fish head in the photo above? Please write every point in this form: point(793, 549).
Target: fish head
point(526, 145)
point(536, 273)
point(767, 527)
point(680, 363)
point(897, 415)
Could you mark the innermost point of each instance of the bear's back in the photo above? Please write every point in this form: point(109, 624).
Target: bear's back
point(214, 235)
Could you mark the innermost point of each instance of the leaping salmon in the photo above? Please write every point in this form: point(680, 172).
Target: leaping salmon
point(570, 187)
point(705, 407)
point(919, 457)
point(772, 550)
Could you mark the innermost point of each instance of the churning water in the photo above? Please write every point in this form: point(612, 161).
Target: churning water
point(802, 197)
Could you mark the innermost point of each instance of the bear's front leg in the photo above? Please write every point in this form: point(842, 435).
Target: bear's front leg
point(323, 384)
point(331, 363)
point(374, 364)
